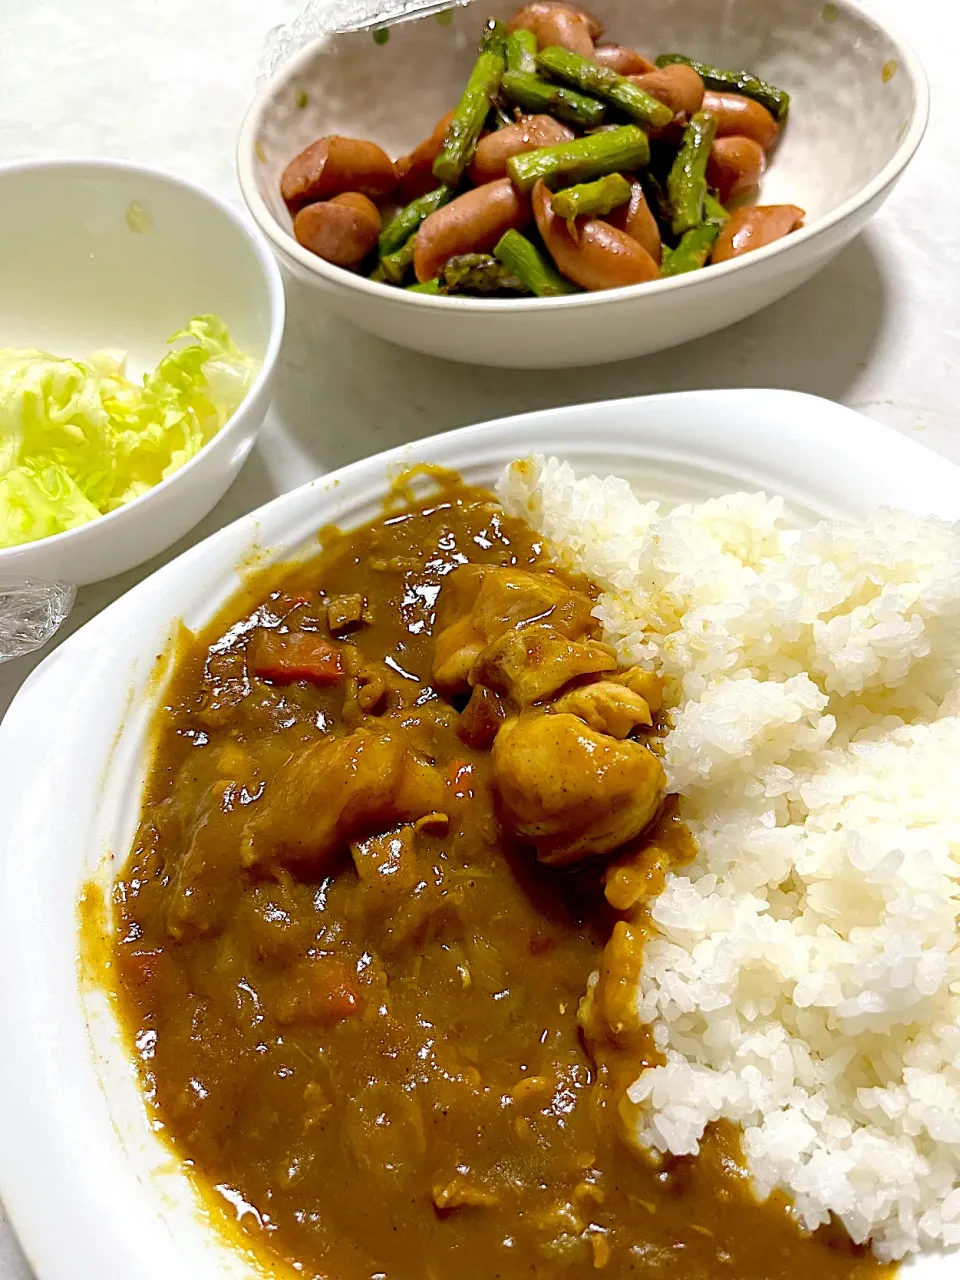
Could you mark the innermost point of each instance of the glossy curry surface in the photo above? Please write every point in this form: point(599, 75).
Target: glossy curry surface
point(352, 998)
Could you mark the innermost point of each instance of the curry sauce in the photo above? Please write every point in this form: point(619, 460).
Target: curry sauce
point(362, 1034)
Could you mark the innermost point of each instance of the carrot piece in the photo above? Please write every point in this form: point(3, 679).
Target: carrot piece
point(285, 657)
point(321, 991)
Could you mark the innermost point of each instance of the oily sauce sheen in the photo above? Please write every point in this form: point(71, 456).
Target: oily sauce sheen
point(375, 1063)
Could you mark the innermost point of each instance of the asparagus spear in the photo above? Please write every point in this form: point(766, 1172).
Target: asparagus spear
point(592, 198)
point(687, 179)
point(462, 133)
point(591, 77)
point(428, 286)
point(524, 261)
point(521, 51)
point(692, 251)
point(777, 101)
point(479, 273)
point(407, 220)
point(536, 96)
point(713, 210)
point(396, 265)
point(625, 148)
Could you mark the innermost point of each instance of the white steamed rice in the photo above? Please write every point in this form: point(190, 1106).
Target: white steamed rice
point(806, 978)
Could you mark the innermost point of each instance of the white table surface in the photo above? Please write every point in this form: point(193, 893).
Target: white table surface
point(167, 81)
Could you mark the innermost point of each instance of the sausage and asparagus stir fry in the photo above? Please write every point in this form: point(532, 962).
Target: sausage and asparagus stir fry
point(567, 165)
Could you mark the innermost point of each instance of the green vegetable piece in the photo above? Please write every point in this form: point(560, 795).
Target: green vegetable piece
point(524, 261)
point(396, 266)
point(429, 286)
point(583, 159)
point(499, 118)
point(592, 198)
point(124, 436)
point(521, 51)
point(407, 220)
point(537, 97)
point(602, 82)
point(381, 35)
point(687, 179)
point(656, 199)
point(378, 275)
point(460, 140)
point(777, 101)
point(479, 273)
point(692, 251)
point(713, 210)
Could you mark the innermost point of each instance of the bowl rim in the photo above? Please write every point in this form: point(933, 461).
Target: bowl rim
point(908, 63)
point(270, 274)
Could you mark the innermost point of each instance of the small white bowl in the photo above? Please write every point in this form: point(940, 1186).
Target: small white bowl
point(77, 277)
point(851, 133)
point(88, 1183)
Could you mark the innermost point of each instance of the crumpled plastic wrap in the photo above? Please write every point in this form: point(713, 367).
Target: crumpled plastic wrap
point(318, 17)
point(31, 612)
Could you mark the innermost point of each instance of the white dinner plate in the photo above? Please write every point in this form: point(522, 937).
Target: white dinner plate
point(92, 1192)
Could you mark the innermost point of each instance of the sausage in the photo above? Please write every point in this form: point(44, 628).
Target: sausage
point(741, 116)
point(626, 62)
point(415, 171)
point(678, 86)
point(566, 25)
point(735, 166)
point(637, 220)
point(529, 133)
point(342, 230)
point(330, 166)
point(602, 257)
point(752, 228)
point(473, 223)
point(542, 8)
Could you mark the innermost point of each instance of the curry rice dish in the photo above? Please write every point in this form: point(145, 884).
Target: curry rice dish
point(393, 811)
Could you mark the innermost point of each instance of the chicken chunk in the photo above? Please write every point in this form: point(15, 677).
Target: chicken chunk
point(346, 613)
point(571, 792)
point(480, 603)
point(533, 664)
point(337, 790)
point(607, 707)
point(481, 718)
point(648, 685)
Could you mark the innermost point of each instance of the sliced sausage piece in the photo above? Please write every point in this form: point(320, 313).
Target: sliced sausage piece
point(626, 62)
point(566, 25)
point(342, 230)
point(529, 133)
point(330, 166)
point(735, 166)
point(415, 171)
point(740, 116)
point(601, 257)
point(473, 223)
point(752, 228)
point(678, 86)
point(637, 220)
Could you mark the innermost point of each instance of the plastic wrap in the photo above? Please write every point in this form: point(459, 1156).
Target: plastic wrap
point(318, 17)
point(31, 612)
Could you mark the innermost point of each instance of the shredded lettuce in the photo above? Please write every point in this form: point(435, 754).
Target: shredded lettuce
point(80, 439)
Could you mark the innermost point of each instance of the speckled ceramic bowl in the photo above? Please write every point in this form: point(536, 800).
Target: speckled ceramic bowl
point(859, 110)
